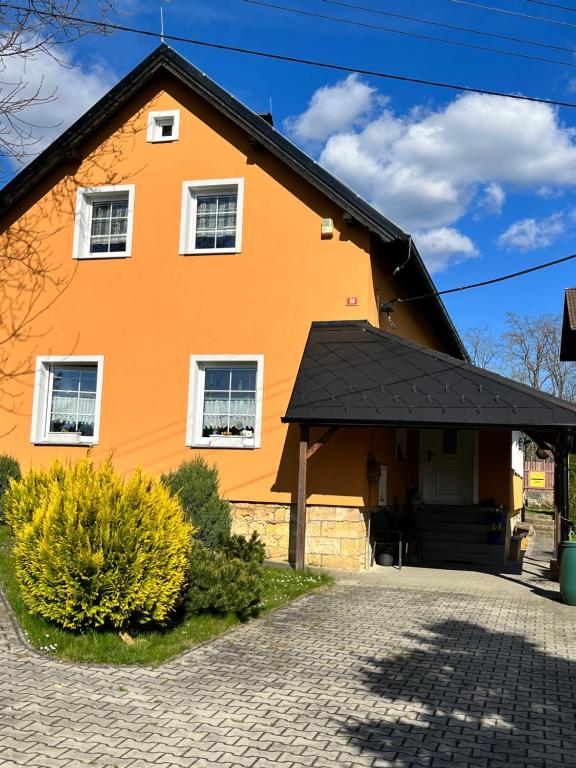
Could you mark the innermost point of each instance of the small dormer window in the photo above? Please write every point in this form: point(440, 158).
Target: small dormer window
point(163, 126)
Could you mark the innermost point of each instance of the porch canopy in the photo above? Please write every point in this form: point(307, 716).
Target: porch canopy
point(353, 374)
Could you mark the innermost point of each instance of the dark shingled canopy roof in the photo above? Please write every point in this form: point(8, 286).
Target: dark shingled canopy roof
point(568, 343)
point(352, 373)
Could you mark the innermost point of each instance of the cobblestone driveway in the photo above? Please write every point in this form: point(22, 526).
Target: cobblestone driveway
point(358, 675)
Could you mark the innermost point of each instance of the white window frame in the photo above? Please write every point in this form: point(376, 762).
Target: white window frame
point(85, 196)
point(194, 438)
point(155, 122)
point(40, 434)
point(190, 192)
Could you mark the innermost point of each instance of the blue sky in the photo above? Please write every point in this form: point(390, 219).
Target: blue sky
point(487, 186)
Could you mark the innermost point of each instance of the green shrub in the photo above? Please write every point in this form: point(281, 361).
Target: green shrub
point(9, 468)
point(196, 485)
point(92, 549)
point(221, 584)
point(250, 550)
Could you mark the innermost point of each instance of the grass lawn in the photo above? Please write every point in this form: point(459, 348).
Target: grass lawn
point(281, 585)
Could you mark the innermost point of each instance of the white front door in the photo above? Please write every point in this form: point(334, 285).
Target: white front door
point(447, 466)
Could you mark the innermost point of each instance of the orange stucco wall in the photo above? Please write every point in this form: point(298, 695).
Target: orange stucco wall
point(494, 470)
point(148, 313)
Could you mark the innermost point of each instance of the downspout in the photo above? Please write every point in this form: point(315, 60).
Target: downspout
point(562, 487)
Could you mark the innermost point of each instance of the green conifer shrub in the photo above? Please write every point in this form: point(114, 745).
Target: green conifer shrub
point(222, 585)
point(93, 549)
point(196, 485)
point(9, 468)
point(250, 550)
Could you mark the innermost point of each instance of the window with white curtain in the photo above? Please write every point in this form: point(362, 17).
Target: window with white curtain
point(212, 216)
point(67, 400)
point(225, 401)
point(103, 225)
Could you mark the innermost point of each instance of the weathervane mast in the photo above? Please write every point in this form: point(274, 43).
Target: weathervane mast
point(162, 19)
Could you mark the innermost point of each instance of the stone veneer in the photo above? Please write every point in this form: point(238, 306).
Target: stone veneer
point(336, 537)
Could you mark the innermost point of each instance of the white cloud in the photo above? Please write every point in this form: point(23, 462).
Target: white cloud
point(492, 198)
point(443, 247)
point(428, 169)
point(331, 109)
point(73, 89)
point(530, 234)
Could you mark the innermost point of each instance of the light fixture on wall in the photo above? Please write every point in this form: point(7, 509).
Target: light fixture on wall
point(388, 308)
point(372, 469)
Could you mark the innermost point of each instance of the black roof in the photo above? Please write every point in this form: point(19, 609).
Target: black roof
point(354, 374)
point(568, 342)
point(163, 58)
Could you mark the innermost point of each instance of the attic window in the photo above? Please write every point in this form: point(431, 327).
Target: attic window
point(163, 126)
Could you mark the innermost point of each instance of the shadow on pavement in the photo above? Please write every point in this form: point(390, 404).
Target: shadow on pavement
point(536, 577)
point(470, 697)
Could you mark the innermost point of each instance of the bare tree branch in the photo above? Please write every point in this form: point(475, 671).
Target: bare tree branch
point(24, 34)
point(532, 353)
point(483, 347)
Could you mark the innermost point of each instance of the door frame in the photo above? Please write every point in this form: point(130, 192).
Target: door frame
point(423, 464)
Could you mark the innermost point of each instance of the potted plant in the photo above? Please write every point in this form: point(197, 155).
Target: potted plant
point(496, 528)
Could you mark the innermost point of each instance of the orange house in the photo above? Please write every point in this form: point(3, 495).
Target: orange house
point(181, 280)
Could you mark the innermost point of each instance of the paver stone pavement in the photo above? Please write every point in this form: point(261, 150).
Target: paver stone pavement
point(408, 669)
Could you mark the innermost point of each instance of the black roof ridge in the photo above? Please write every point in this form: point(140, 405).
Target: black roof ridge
point(489, 375)
point(164, 56)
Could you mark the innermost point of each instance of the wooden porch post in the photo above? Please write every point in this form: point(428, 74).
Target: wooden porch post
point(301, 507)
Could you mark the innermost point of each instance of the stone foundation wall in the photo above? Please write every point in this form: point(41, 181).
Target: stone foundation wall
point(336, 537)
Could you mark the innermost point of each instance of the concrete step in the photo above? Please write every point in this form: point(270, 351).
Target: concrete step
point(541, 527)
point(506, 567)
point(456, 556)
point(447, 525)
point(469, 547)
point(457, 536)
point(454, 518)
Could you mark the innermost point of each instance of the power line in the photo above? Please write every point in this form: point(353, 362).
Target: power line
point(443, 25)
point(297, 60)
point(484, 283)
point(406, 33)
point(325, 65)
point(545, 19)
point(553, 5)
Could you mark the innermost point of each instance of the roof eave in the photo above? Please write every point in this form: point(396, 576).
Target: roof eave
point(423, 424)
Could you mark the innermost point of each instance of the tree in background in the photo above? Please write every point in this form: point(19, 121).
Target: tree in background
point(531, 354)
point(37, 28)
point(483, 347)
point(30, 282)
point(529, 351)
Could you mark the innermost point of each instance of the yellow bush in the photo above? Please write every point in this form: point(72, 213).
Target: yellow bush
point(93, 549)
